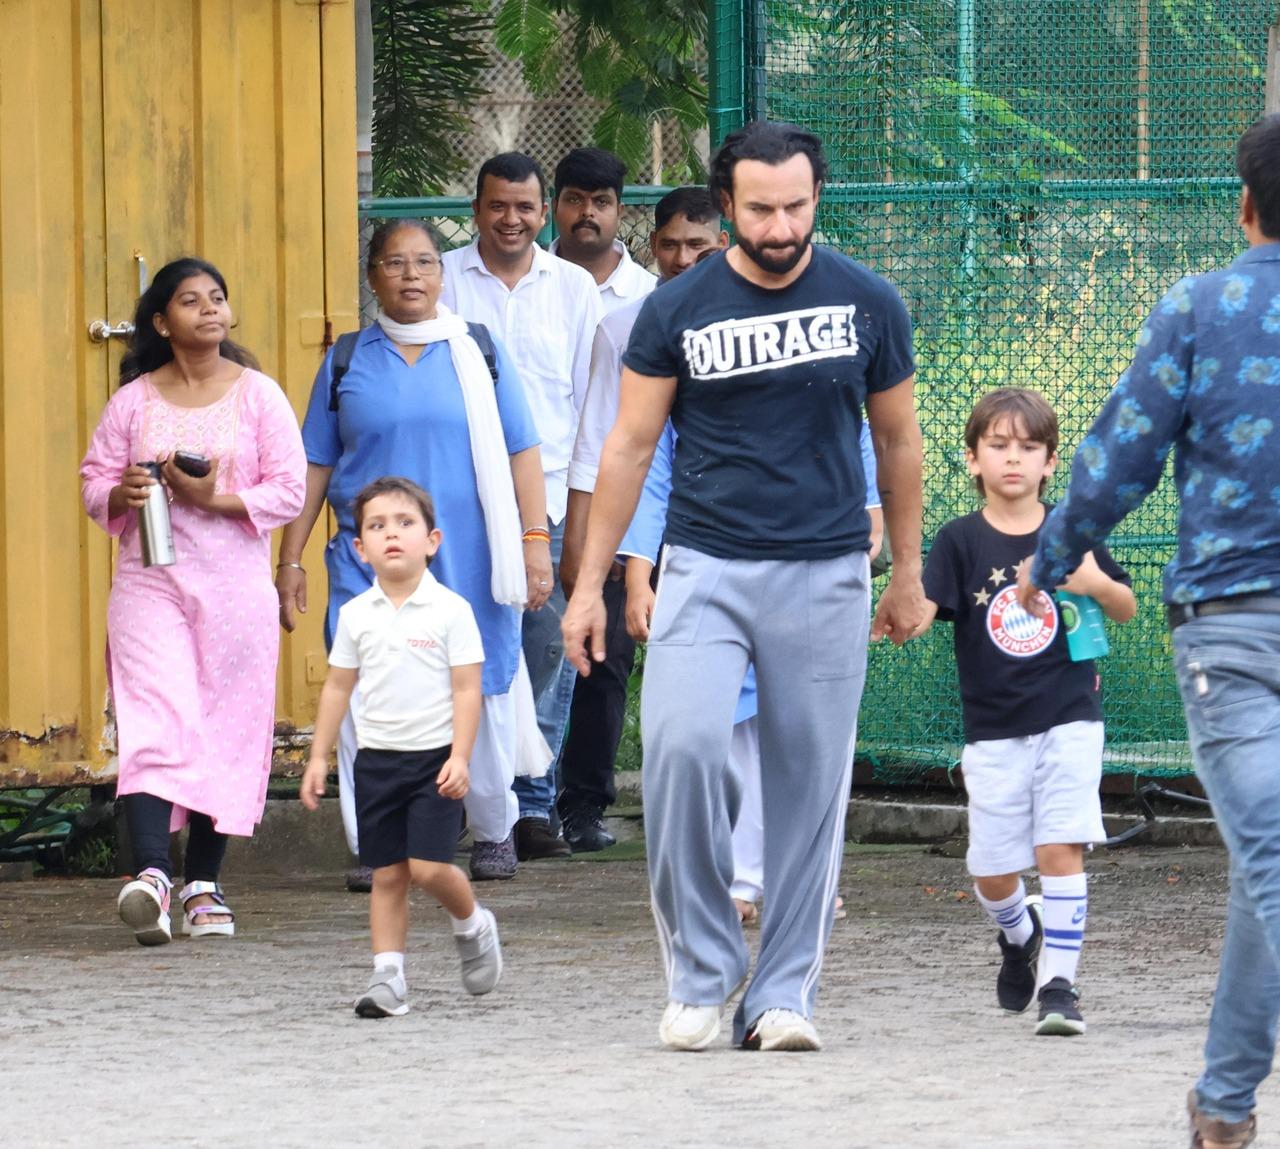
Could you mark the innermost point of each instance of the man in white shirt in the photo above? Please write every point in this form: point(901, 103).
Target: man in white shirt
point(544, 310)
point(686, 225)
point(588, 209)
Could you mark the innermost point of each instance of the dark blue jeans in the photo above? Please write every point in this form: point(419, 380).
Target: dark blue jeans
point(552, 679)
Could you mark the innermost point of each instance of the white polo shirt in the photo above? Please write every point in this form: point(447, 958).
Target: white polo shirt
point(546, 322)
point(627, 282)
point(405, 700)
point(600, 410)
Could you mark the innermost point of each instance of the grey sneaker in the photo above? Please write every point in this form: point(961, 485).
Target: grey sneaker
point(359, 880)
point(481, 956)
point(385, 996)
point(493, 861)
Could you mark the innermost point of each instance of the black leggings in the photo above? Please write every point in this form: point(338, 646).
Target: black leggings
point(149, 833)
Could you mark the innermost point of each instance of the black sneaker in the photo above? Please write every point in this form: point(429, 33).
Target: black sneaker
point(535, 839)
point(1059, 1010)
point(1016, 981)
point(584, 831)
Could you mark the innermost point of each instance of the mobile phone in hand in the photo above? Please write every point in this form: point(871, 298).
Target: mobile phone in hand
point(197, 466)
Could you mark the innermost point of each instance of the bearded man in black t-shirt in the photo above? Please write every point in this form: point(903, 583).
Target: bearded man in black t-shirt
point(763, 357)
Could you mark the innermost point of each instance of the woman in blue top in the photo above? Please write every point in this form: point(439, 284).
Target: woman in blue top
point(418, 400)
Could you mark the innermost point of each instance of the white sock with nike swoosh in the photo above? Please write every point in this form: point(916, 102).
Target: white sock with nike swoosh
point(1066, 908)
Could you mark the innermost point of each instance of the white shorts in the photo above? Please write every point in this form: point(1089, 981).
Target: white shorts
point(1035, 791)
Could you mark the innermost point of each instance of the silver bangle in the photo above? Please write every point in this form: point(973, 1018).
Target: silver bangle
point(296, 566)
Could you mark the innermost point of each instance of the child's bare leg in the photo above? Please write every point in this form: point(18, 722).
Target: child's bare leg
point(1060, 860)
point(474, 930)
point(389, 908)
point(447, 884)
point(998, 887)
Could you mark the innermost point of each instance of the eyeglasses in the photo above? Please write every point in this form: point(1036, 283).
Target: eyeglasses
point(399, 264)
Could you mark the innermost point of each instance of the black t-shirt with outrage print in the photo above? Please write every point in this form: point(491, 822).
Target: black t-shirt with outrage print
point(1016, 675)
point(768, 404)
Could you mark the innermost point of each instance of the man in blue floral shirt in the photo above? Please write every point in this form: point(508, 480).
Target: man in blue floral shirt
point(1205, 383)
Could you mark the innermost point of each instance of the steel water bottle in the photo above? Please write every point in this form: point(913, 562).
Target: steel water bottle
point(1082, 619)
point(154, 524)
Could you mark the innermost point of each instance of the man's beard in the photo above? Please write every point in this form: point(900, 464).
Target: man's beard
point(767, 259)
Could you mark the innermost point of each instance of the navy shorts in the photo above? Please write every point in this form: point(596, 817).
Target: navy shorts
point(400, 813)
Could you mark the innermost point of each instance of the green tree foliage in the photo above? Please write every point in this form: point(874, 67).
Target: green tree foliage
point(641, 58)
point(428, 60)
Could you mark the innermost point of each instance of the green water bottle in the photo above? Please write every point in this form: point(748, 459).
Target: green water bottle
point(1082, 619)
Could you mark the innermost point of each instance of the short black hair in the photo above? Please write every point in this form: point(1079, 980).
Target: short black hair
point(772, 142)
point(590, 169)
point(1258, 162)
point(394, 485)
point(692, 202)
point(514, 167)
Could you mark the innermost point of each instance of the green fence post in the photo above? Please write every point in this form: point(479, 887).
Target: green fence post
point(1273, 68)
point(966, 68)
point(726, 106)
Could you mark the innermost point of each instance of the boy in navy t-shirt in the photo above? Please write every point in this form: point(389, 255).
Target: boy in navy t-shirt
point(1033, 718)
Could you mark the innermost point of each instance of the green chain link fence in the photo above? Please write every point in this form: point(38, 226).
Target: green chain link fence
point(1032, 175)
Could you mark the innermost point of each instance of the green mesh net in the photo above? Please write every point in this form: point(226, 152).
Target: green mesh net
point(1033, 176)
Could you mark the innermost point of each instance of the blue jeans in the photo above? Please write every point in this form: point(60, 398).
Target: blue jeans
point(1229, 676)
point(552, 679)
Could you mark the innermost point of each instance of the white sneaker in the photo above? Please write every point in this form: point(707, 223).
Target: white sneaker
point(782, 1029)
point(689, 1027)
point(144, 907)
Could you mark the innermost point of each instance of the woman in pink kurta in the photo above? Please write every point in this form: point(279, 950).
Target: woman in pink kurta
point(192, 647)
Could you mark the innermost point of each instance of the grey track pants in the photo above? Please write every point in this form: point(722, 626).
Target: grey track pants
point(804, 625)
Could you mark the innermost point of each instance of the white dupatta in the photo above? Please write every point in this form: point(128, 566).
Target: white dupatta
point(509, 584)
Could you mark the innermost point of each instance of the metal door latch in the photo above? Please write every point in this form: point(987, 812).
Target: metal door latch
point(100, 330)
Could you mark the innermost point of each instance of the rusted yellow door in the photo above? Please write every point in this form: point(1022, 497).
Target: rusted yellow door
point(131, 132)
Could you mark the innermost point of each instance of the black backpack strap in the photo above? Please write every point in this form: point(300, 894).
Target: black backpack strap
point(480, 333)
point(343, 349)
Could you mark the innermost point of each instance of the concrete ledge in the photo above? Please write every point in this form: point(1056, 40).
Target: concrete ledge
point(292, 839)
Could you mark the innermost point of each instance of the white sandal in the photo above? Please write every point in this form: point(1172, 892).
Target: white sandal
point(144, 907)
point(195, 929)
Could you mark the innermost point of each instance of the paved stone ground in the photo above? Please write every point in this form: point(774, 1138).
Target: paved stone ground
point(252, 1042)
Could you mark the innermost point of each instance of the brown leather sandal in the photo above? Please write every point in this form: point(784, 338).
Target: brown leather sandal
point(1232, 1134)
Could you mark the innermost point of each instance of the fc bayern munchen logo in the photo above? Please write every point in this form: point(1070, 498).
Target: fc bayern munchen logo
point(1015, 631)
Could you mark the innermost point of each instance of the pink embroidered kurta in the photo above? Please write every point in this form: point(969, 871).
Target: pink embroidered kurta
point(192, 647)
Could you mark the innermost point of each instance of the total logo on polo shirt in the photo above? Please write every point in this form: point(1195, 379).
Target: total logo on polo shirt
point(1014, 630)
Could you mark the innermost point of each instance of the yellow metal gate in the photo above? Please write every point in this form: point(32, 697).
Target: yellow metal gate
point(132, 131)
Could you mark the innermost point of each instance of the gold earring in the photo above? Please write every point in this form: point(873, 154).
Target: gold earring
point(164, 335)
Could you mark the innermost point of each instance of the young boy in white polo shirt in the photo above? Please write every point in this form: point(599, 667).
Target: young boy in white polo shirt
point(415, 648)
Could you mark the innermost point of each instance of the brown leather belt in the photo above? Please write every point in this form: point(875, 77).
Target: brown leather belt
point(1179, 612)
